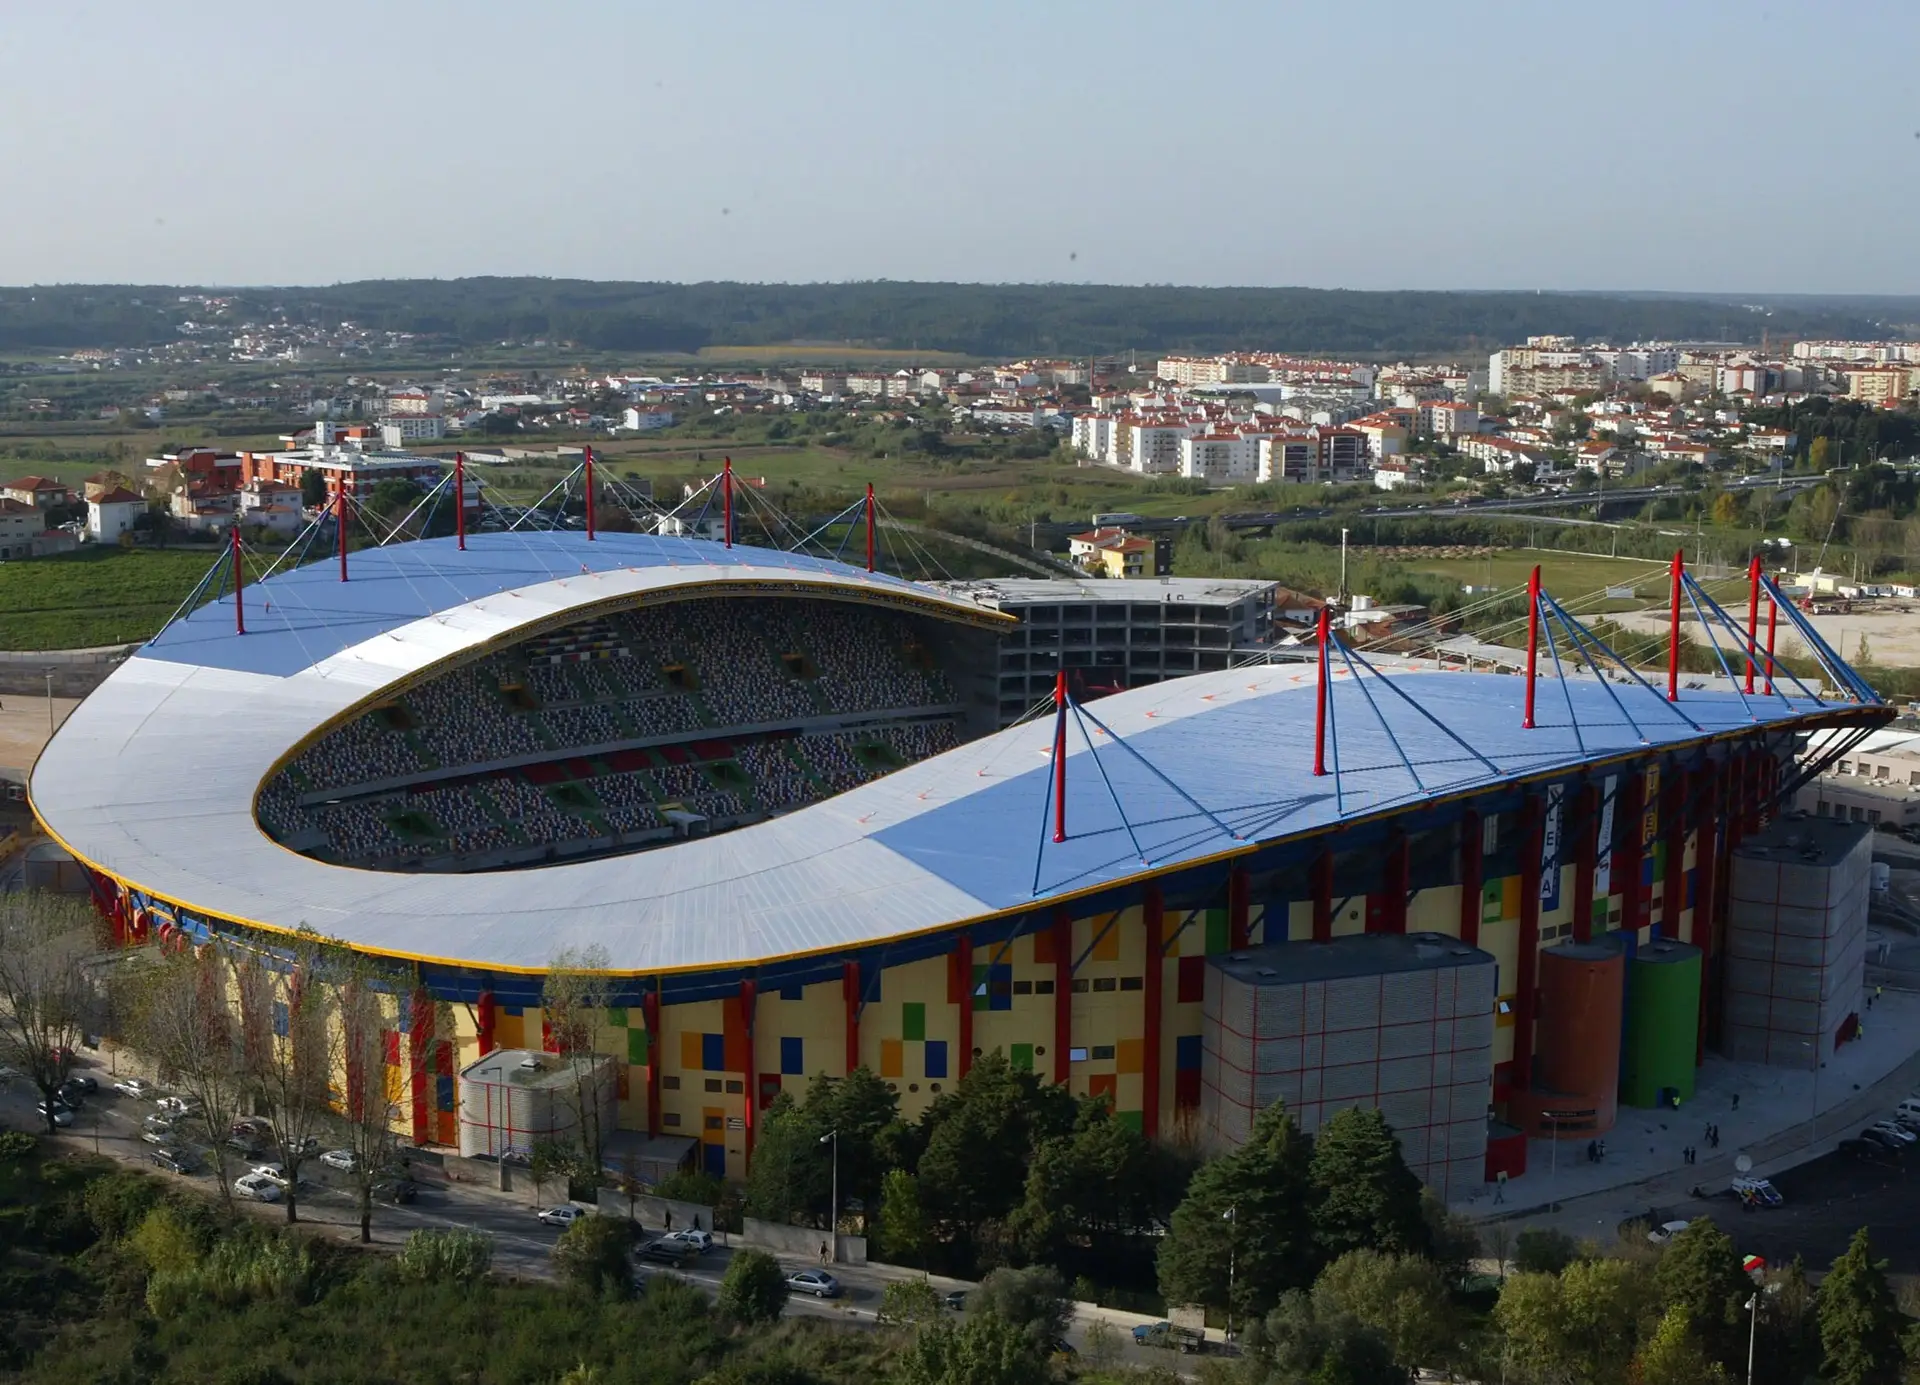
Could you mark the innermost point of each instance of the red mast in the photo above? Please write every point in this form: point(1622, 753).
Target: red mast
point(726, 487)
point(1673, 629)
point(1533, 641)
point(1060, 756)
point(589, 465)
point(869, 526)
point(239, 610)
point(1753, 617)
point(340, 523)
point(460, 498)
point(1773, 609)
point(1320, 704)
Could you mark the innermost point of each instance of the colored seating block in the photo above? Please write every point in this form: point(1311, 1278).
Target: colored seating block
point(1187, 1053)
point(637, 1046)
point(1021, 1056)
point(1104, 1084)
point(690, 1052)
point(892, 1062)
point(443, 1093)
point(793, 1058)
point(1129, 1055)
point(1192, 987)
point(1106, 940)
point(390, 1040)
point(934, 1058)
point(617, 1016)
point(713, 1054)
point(1218, 935)
point(1186, 1090)
point(913, 1020)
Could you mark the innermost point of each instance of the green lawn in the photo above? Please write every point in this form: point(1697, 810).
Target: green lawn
point(97, 596)
point(1566, 576)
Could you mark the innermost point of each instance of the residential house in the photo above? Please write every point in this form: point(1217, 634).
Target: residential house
point(37, 491)
point(111, 513)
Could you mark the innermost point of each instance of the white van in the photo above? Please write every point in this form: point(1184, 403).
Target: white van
point(1907, 1113)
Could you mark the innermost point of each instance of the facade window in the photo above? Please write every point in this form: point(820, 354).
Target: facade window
point(1103, 1053)
point(715, 1123)
point(1106, 983)
point(1133, 983)
point(670, 1118)
point(1076, 1055)
point(1844, 767)
point(736, 1086)
point(1080, 986)
point(1873, 815)
point(1023, 988)
point(1043, 988)
point(713, 1084)
point(672, 1084)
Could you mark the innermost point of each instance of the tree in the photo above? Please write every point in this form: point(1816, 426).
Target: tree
point(1034, 1300)
point(592, 1255)
point(1297, 1344)
point(1090, 1188)
point(980, 1137)
point(754, 1288)
point(791, 1176)
point(49, 995)
point(291, 1047)
point(1365, 1196)
point(903, 1226)
point(1453, 1240)
point(1788, 1333)
point(1820, 454)
point(1244, 1220)
point(980, 1350)
point(867, 1116)
point(574, 999)
point(910, 1303)
point(1580, 1326)
point(313, 487)
point(369, 1106)
point(1860, 1323)
point(1402, 1297)
point(1701, 1274)
point(1539, 1250)
point(1672, 1356)
point(178, 1013)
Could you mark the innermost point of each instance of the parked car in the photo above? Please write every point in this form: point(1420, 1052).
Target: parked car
point(158, 1130)
point(566, 1214)
point(258, 1187)
point(1666, 1231)
point(667, 1250)
point(1873, 1134)
point(956, 1300)
point(277, 1172)
point(1901, 1135)
point(816, 1282)
point(344, 1160)
point(175, 1106)
point(62, 1114)
point(76, 1090)
point(401, 1190)
point(174, 1161)
point(246, 1143)
point(1867, 1151)
point(697, 1242)
point(1165, 1334)
point(136, 1087)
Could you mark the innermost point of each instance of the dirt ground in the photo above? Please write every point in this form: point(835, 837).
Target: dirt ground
point(23, 728)
point(1892, 633)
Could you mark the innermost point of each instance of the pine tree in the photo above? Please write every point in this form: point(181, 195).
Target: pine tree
point(1700, 1273)
point(1674, 1356)
point(1365, 1196)
point(1244, 1224)
point(1859, 1321)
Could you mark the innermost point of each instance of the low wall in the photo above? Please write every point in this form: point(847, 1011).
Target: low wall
point(76, 672)
point(661, 1214)
point(800, 1242)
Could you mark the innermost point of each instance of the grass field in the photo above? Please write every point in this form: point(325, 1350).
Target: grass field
point(97, 596)
point(1566, 576)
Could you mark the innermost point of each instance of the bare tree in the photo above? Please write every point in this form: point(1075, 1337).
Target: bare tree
point(179, 1012)
point(371, 1099)
point(50, 993)
point(574, 1001)
point(293, 1047)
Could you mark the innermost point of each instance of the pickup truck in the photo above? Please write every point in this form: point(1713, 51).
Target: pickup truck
point(1165, 1334)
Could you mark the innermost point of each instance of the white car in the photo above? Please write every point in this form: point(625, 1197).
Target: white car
point(137, 1088)
point(564, 1215)
point(1666, 1231)
point(345, 1160)
point(62, 1113)
point(1900, 1133)
point(699, 1242)
point(816, 1282)
point(258, 1187)
point(175, 1106)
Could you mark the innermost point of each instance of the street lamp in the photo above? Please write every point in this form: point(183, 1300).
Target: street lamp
point(833, 1223)
point(1753, 1330)
point(1232, 1217)
point(49, 702)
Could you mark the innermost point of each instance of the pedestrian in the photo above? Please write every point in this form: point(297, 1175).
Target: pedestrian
point(1736, 1101)
point(1499, 1187)
point(669, 1216)
point(1872, 996)
point(826, 1256)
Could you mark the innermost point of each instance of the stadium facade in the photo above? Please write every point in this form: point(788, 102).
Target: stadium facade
point(799, 879)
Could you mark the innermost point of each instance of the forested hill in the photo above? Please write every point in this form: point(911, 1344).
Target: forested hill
point(993, 320)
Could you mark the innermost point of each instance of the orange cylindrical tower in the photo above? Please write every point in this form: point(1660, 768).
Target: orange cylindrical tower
point(1576, 1069)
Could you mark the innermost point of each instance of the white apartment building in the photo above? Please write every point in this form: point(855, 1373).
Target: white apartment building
point(410, 401)
point(397, 430)
point(1219, 458)
point(1316, 456)
point(112, 513)
point(1503, 454)
point(20, 524)
point(1153, 449)
point(875, 386)
point(1439, 419)
point(1093, 437)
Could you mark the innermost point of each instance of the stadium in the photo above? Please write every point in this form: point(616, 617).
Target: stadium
point(743, 779)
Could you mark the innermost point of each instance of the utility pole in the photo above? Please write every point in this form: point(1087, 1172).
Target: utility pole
point(49, 701)
point(1343, 567)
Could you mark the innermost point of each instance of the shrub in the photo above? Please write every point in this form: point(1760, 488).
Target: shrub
point(1537, 1251)
point(17, 1144)
point(910, 1302)
point(453, 1256)
point(592, 1255)
point(118, 1202)
point(165, 1243)
point(754, 1288)
point(687, 1185)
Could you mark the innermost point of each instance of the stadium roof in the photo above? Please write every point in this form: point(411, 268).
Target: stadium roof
point(153, 778)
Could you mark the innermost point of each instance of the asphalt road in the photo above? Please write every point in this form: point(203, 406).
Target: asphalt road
point(111, 1124)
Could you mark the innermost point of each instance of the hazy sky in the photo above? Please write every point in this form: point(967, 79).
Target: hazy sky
point(1684, 144)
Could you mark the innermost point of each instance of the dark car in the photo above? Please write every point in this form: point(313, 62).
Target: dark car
point(956, 1300)
point(1880, 1139)
point(401, 1190)
point(173, 1161)
point(667, 1251)
point(1866, 1151)
point(73, 1092)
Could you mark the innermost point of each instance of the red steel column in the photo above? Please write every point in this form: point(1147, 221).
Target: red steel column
point(1323, 896)
point(1674, 786)
point(1773, 610)
point(1063, 997)
point(726, 486)
point(850, 994)
point(460, 499)
point(1705, 870)
point(1320, 704)
point(1153, 912)
point(650, 1016)
point(1753, 617)
point(869, 526)
point(1470, 882)
point(1060, 756)
point(1239, 886)
point(1631, 814)
point(340, 523)
point(419, 1041)
point(1673, 630)
point(1527, 968)
point(963, 965)
point(1393, 919)
point(483, 1022)
point(1533, 641)
point(1586, 851)
point(749, 993)
point(239, 579)
point(587, 462)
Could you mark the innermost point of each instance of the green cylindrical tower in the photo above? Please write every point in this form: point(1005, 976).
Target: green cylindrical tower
point(1663, 1018)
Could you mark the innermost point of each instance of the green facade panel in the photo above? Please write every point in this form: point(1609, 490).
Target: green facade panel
point(1663, 1010)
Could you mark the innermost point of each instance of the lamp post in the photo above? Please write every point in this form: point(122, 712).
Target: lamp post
point(833, 1222)
point(1753, 1329)
point(1232, 1218)
point(49, 701)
